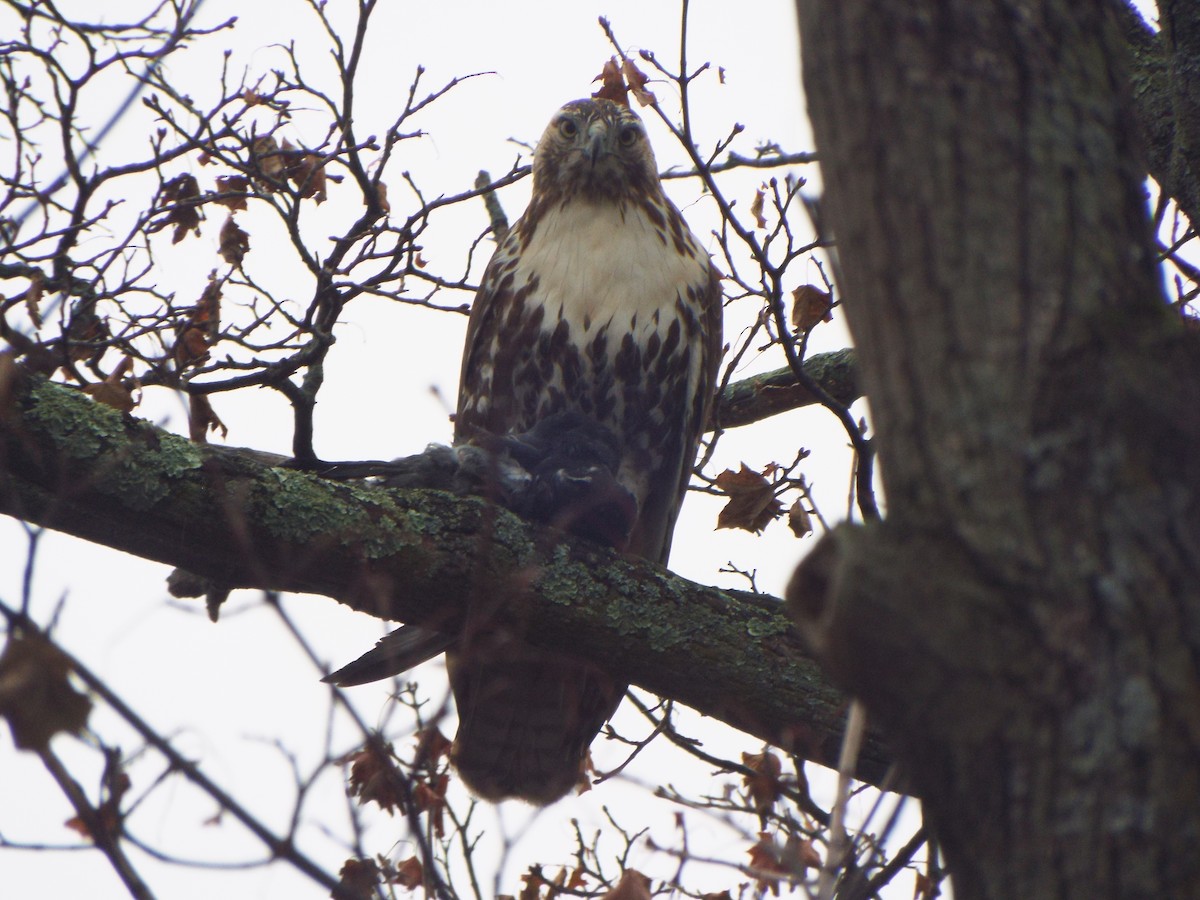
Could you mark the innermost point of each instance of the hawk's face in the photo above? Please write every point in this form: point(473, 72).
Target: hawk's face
point(595, 150)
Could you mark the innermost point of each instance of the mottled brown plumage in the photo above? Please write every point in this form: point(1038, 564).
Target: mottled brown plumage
point(599, 301)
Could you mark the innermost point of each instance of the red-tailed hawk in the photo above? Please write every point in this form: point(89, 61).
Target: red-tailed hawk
point(599, 301)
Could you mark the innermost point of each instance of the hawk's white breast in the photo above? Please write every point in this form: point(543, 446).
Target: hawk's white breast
point(598, 264)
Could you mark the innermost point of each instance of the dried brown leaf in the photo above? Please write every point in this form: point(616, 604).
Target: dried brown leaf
point(756, 208)
point(764, 860)
point(235, 243)
point(409, 874)
point(577, 881)
point(87, 332)
point(798, 855)
point(810, 306)
point(632, 886)
point(752, 504)
point(33, 296)
point(202, 419)
point(636, 79)
point(372, 779)
point(36, 696)
point(432, 745)
point(612, 83)
point(183, 193)
point(799, 520)
point(191, 347)
point(111, 394)
point(430, 796)
point(201, 329)
point(232, 191)
point(533, 884)
point(765, 785)
point(307, 172)
point(269, 157)
point(357, 878)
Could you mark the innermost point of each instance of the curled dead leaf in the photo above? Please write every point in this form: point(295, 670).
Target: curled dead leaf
point(799, 519)
point(235, 243)
point(430, 796)
point(756, 208)
point(191, 347)
point(534, 882)
point(36, 695)
point(632, 886)
point(612, 83)
point(636, 79)
point(307, 172)
point(232, 191)
point(33, 296)
point(432, 745)
point(200, 330)
point(182, 195)
point(357, 878)
point(87, 333)
point(111, 394)
point(765, 863)
point(372, 778)
point(409, 874)
point(202, 419)
point(765, 784)
point(799, 854)
point(752, 505)
point(810, 307)
point(269, 158)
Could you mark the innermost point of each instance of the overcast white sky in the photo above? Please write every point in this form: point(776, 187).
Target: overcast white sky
point(228, 691)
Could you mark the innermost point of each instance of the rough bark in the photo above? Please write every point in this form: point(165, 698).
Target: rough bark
point(411, 555)
point(1164, 72)
point(1026, 622)
point(761, 396)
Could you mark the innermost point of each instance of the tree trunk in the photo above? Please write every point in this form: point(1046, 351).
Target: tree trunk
point(1026, 623)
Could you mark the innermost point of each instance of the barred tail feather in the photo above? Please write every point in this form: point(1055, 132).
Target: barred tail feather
point(526, 721)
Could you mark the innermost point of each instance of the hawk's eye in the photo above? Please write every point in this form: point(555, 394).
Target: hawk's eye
point(568, 128)
point(628, 136)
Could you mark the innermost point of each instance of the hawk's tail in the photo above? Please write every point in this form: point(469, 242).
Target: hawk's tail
point(526, 720)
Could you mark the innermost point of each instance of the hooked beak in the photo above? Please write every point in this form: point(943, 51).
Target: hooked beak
point(596, 149)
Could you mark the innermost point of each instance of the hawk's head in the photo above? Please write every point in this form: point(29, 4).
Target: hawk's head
point(595, 150)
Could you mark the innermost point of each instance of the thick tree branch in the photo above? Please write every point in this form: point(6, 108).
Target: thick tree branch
point(411, 555)
point(760, 396)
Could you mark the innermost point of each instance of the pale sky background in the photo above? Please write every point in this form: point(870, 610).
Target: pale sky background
point(227, 692)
